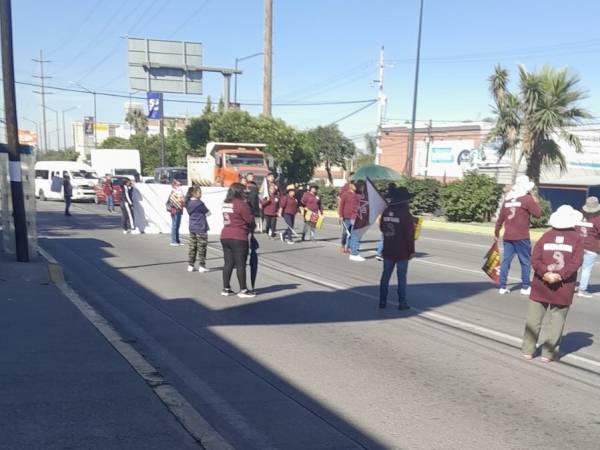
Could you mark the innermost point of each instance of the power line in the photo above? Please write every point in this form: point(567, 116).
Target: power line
point(188, 19)
point(42, 92)
point(354, 112)
point(74, 30)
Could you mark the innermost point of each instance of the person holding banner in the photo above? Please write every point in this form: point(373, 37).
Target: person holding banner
point(270, 209)
point(398, 228)
point(311, 203)
point(289, 209)
point(347, 212)
point(557, 256)
point(515, 216)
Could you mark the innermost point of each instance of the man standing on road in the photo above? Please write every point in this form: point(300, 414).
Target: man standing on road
point(127, 208)
point(589, 230)
point(311, 203)
point(108, 193)
point(175, 206)
point(398, 228)
point(67, 192)
point(556, 258)
point(347, 212)
point(515, 216)
point(289, 209)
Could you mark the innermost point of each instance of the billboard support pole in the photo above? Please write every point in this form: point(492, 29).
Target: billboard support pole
point(162, 142)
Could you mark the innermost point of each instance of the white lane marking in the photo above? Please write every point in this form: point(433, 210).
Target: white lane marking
point(183, 411)
point(448, 241)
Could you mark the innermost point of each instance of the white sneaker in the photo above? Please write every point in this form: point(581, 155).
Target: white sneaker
point(526, 291)
point(125, 232)
point(203, 269)
point(290, 242)
point(174, 244)
point(503, 291)
point(190, 268)
point(135, 231)
point(584, 294)
point(357, 258)
point(246, 293)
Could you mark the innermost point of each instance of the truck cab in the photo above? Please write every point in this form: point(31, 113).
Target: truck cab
point(232, 161)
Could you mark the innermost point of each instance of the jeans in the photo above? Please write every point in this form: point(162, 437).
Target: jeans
point(309, 229)
point(379, 250)
point(384, 284)
point(110, 202)
point(522, 249)
point(67, 204)
point(346, 228)
point(589, 258)
point(289, 221)
point(127, 219)
point(354, 243)
point(270, 225)
point(175, 223)
point(235, 253)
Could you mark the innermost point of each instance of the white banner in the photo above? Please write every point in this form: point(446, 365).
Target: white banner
point(151, 215)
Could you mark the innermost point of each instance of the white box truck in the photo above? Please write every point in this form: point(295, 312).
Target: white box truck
point(117, 162)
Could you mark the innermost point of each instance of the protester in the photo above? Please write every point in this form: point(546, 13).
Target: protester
point(289, 209)
point(252, 196)
point(379, 249)
point(108, 190)
point(127, 220)
point(67, 192)
point(239, 222)
point(557, 256)
point(175, 205)
point(312, 210)
point(398, 228)
point(198, 225)
point(515, 216)
point(270, 209)
point(346, 186)
point(590, 232)
point(347, 212)
point(355, 235)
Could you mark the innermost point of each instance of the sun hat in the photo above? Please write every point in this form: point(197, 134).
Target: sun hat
point(565, 217)
point(400, 194)
point(290, 187)
point(592, 205)
point(522, 186)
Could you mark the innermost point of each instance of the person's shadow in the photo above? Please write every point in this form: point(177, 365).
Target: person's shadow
point(575, 341)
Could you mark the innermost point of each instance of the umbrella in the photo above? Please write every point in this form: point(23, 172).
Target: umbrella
point(253, 260)
point(376, 173)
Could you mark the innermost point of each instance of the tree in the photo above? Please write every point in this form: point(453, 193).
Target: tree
point(371, 144)
point(138, 121)
point(331, 147)
point(176, 147)
point(58, 155)
point(115, 142)
point(197, 134)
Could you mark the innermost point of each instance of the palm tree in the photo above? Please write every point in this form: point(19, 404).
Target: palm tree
point(138, 120)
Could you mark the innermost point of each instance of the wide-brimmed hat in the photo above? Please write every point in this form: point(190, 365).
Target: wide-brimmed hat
point(400, 195)
point(592, 205)
point(565, 217)
point(290, 187)
point(522, 186)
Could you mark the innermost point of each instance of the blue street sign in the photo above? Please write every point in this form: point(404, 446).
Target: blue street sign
point(155, 109)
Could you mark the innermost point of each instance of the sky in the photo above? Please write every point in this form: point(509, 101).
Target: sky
point(324, 51)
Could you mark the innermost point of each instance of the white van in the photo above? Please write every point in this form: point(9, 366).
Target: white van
point(83, 180)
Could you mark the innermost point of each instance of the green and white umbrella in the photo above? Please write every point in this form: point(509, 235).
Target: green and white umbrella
point(376, 173)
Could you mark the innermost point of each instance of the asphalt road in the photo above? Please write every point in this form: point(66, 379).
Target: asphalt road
point(312, 363)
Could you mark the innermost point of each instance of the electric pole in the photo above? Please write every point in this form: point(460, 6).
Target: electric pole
point(42, 91)
point(382, 100)
point(268, 61)
point(12, 132)
point(411, 144)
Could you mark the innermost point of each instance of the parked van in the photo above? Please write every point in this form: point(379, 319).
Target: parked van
point(83, 180)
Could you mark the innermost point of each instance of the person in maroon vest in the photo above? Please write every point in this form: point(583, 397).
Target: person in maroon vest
point(289, 209)
point(590, 232)
point(515, 216)
point(347, 212)
point(312, 208)
point(556, 259)
point(270, 210)
point(238, 222)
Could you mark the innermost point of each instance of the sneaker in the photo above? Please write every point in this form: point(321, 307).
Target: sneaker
point(190, 268)
point(379, 258)
point(174, 244)
point(246, 293)
point(203, 269)
point(180, 243)
point(403, 306)
point(526, 291)
point(125, 232)
point(356, 258)
point(281, 237)
point(291, 242)
point(503, 291)
point(584, 294)
point(135, 231)
point(227, 292)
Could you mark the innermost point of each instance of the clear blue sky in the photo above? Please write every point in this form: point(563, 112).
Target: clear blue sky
point(325, 50)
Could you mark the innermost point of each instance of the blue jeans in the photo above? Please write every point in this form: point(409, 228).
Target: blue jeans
point(384, 284)
point(522, 249)
point(67, 204)
point(354, 243)
point(589, 258)
point(346, 228)
point(289, 220)
point(110, 202)
point(175, 223)
point(379, 250)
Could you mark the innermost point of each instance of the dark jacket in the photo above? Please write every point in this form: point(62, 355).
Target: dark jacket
point(589, 230)
point(67, 187)
point(398, 228)
point(253, 201)
point(127, 195)
point(197, 211)
point(238, 220)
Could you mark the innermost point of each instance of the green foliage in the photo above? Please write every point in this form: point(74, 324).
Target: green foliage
point(176, 148)
point(427, 194)
point(115, 142)
point(59, 155)
point(472, 199)
point(138, 121)
point(197, 135)
point(542, 222)
point(330, 147)
point(363, 159)
point(328, 195)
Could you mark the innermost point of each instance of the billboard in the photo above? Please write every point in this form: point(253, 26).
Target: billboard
point(444, 158)
point(590, 157)
point(28, 137)
point(88, 125)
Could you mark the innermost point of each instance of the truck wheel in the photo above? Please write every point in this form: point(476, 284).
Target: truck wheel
point(42, 196)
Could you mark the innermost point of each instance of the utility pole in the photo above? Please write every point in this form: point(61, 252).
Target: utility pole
point(429, 139)
point(268, 60)
point(411, 144)
point(12, 132)
point(42, 91)
point(382, 100)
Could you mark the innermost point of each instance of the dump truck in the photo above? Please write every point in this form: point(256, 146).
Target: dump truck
point(226, 162)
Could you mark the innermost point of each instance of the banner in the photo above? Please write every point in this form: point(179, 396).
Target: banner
point(370, 207)
point(155, 105)
point(491, 266)
point(88, 125)
point(418, 226)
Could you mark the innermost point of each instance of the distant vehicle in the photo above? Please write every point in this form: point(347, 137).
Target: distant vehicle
point(226, 162)
point(48, 180)
point(148, 180)
point(166, 175)
point(117, 182)
point(117, 162)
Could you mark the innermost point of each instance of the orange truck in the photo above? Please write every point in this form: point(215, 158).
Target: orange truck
point(226, 162)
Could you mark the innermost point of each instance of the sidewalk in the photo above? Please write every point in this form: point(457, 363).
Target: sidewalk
point(62, 385)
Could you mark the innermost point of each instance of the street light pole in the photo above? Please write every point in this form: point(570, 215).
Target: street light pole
point(93, 92)
point(63, 124)
point(57, 126)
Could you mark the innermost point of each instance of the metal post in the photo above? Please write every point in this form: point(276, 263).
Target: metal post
point(428, 147)
point(235, 82)
point(64, 130)
point(268, 61)
point(227, 78)
point(411, 144)
point(162, 142)
point(12, 132)
point(57, 131)
point(381, 100)
point(95, 122)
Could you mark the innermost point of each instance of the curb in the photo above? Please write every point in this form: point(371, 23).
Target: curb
point(197, 427)
point(484, 230)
